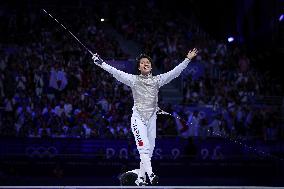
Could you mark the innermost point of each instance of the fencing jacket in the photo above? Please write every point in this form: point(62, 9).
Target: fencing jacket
point(145, 88)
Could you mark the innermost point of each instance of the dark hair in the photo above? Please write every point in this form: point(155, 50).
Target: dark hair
point(138, 61)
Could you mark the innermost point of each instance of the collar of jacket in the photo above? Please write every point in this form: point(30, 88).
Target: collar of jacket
point(146, 76)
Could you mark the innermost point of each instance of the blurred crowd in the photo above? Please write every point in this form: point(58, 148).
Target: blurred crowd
point(50, 88)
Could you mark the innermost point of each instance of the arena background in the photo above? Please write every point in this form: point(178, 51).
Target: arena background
point(64, 121)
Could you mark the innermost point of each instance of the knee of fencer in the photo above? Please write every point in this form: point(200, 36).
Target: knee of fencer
point(152, 151)
point(144, 151)
point(144, 155)
point(143, 145)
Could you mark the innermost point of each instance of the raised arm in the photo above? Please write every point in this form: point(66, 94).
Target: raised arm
point(125, 78)
point(174, 73)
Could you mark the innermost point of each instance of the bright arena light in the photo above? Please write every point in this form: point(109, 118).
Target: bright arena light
point(281, 17)
point(230, 39)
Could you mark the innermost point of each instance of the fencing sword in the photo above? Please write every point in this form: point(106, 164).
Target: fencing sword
point(86, 48)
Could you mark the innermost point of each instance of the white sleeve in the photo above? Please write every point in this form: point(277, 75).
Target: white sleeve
point(125, 78)
point(169, 76)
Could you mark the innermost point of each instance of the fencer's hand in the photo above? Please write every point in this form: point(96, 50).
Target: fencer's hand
point(97, 59)
point(192, 53)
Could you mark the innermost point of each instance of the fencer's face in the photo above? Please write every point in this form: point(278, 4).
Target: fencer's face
point(145, 66)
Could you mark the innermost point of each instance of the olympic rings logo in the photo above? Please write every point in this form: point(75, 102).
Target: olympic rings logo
point(41, 152)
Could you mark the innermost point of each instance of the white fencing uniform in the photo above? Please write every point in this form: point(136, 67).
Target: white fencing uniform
point(145, 94)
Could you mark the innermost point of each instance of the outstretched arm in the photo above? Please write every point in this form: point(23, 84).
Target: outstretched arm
point(169, 76)
point(127, 79)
